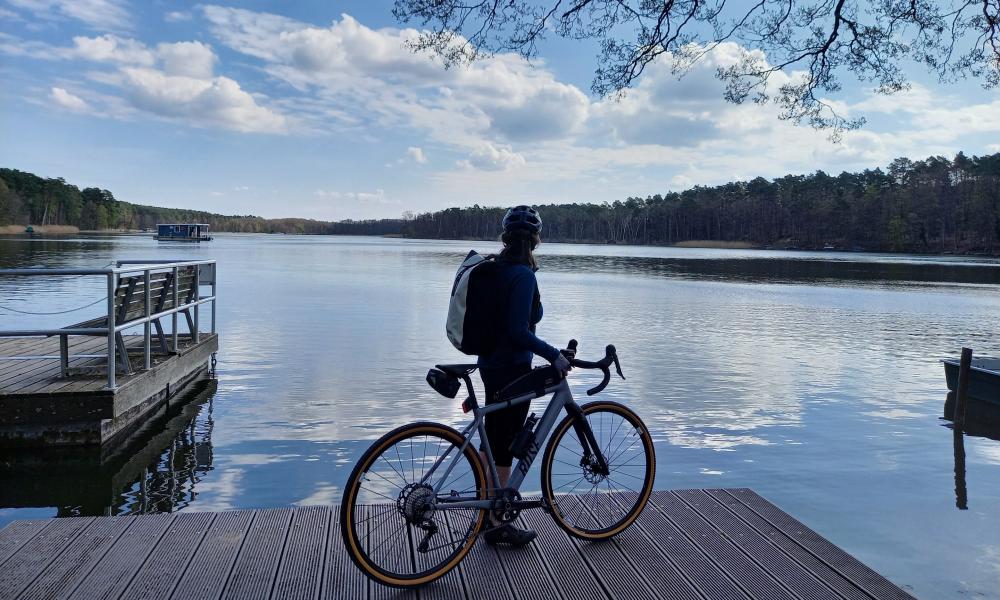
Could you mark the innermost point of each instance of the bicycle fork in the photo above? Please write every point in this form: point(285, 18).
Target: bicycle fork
point(592, 458)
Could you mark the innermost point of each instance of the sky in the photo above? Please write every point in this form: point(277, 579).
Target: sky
point(317, 110)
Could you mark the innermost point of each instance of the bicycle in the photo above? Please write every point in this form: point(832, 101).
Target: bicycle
point(410, 513)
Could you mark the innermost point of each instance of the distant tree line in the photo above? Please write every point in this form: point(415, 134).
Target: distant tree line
point(932, 205)
point(26, 199)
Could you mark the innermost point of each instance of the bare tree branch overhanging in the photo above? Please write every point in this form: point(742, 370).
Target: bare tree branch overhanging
point(813, 43)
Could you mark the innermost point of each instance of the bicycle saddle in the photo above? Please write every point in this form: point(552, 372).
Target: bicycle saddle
point(458, 370)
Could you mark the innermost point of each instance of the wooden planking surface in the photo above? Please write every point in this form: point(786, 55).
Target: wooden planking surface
point(43, 376)
point(691, 544)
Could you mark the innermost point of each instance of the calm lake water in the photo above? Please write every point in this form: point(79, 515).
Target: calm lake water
point(812, 378)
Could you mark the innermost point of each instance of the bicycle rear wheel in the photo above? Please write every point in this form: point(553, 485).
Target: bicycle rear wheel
point(585, 502)
point(392, 526)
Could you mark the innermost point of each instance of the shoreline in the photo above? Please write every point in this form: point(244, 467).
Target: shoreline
point(69, 230)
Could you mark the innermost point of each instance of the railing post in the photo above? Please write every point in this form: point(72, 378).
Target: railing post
point(173, 316)
point(215, 290)
point(147, 325)
point(197, 296)
point(111, 330)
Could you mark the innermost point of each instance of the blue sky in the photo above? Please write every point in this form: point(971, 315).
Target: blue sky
point(315, 109)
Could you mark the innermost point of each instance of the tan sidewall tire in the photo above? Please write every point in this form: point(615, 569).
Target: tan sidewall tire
point(350, 493)
point(550, 451)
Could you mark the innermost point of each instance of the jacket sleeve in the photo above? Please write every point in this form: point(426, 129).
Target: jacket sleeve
point(522, 297)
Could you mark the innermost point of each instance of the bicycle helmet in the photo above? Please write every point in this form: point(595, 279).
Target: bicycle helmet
point(522, 217)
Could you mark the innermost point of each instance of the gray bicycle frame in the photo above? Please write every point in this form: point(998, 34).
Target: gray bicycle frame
point(562, 397)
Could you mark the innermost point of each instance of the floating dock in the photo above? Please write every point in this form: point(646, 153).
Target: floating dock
point(93, 382)
point(689, 544)
point(156, 469)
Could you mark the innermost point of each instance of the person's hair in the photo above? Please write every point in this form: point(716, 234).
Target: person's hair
point(519, 246)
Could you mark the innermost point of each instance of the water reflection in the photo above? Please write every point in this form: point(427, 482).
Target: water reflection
point(158, 469)
point(961, 492)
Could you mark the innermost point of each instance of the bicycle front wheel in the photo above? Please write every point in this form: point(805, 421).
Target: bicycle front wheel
point(391, 518)
point(586, 502)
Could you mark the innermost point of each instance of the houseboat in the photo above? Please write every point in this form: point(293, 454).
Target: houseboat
point(183, 232)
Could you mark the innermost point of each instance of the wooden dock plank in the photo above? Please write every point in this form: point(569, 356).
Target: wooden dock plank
point(687, 557)
point(33, 557)
point(757, 547)
point(686, 545)
point(166, 563)
point(875, 584)
point(606, 560)
point(660, 574)
point(389, 543)
point(450, 585)
point(526, 571)
point(252, 576)
point(115, 570)
point(571, 575)
point(17, 534)
point(741, 569)
point(302, 562)
point(341, 578)
point(206, 576)
point(479, 573)
point(78, 559)
point(832, 578)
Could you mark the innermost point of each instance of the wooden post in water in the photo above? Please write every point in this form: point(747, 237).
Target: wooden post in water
point(962, 389)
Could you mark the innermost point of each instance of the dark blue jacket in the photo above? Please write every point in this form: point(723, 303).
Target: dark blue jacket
point(517, 340)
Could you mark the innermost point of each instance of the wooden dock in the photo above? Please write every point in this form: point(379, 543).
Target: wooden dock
point(39, 406)
point(690, 544)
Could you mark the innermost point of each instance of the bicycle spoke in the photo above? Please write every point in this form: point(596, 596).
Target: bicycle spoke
point(621, 442)
point(386, 538)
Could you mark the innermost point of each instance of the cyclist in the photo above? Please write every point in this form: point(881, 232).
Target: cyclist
point(516, 344)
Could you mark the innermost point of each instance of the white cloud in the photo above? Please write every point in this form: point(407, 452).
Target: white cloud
point(113, 49)
point(68, 100)
point(492, 158)
point(416, 154)
point(371, 72)
point(218, 102)
point(189, 59)
point(98, 14)
point(376, 197)
point(177, 16)
point(173, 81)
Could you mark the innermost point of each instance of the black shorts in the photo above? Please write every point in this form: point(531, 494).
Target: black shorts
point(502, 426)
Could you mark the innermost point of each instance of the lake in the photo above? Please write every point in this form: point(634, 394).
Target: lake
point(813, 378)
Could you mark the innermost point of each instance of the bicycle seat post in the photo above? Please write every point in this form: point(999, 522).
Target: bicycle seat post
point(469, 404)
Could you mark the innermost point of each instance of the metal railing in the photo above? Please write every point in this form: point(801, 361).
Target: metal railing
point(204, 274)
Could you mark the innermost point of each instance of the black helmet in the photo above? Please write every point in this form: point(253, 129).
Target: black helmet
point(522, 217)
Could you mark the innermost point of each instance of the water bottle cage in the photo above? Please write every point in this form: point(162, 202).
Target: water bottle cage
point(525, 438)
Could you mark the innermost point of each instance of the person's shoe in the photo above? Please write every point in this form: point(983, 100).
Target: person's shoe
point(510, 535)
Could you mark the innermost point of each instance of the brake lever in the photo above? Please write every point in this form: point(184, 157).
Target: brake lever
point(618, 366)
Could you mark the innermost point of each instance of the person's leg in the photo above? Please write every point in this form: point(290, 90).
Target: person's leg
point(501, 429)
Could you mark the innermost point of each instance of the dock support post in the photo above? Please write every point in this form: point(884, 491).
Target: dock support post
point(962, 389)
point(112, 337)
point(146, 326)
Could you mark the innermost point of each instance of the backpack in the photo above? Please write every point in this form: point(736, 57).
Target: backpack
point(474, 306)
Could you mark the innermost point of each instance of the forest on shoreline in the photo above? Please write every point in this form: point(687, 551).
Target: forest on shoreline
point(931, 205)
